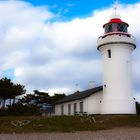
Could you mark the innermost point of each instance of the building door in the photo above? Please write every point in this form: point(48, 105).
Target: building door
point(75, 108)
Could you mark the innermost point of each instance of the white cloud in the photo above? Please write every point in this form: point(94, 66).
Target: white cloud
point(59, 90)
point(70, 4)
point(56, 55)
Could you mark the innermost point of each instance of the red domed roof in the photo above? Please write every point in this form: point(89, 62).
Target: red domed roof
point(115, 20)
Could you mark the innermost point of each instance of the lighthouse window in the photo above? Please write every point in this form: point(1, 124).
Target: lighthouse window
point(122, 28)
point(108, 28)
point(109, 53)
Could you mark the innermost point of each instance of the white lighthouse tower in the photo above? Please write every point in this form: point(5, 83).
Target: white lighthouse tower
point(116, 46)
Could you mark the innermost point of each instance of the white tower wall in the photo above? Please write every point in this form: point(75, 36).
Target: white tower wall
point(117, 81)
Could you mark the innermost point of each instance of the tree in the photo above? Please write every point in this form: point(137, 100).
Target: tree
point(55, 98)
point(28, 98)
point(38, 97)
point(9, 90)
point(44, 97)
point(41, 97)
point(18, 90)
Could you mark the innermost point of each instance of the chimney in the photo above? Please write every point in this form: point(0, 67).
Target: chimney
point(91, 84)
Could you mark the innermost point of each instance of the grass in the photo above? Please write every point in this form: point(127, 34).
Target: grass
point(66, 123)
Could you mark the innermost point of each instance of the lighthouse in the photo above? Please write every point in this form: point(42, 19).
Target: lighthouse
point(116, 46)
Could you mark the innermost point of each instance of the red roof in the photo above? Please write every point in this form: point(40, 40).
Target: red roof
point(115, 20)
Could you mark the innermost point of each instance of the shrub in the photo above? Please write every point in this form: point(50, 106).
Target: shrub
point(3, 112)
point(138, 107)
point(19, 109)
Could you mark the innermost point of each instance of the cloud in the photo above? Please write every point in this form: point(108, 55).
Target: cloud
point(70, 4)
point(49, 55)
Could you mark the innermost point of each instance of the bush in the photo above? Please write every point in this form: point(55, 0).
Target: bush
point(138, 107)
point(3, 112)
point(19, 109)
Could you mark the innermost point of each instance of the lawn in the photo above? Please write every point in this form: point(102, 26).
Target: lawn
point(66, 123)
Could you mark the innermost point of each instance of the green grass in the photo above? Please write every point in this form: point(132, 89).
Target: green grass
point(68, 123)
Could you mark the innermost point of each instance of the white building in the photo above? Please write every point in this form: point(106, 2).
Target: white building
point(86, 102)
point(116, 46)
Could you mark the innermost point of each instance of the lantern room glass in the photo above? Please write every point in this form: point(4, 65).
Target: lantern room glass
point(116, 27)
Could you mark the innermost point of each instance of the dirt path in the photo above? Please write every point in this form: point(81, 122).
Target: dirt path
point(113, 134)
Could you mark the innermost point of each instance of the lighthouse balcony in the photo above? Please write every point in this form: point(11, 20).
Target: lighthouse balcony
point(116, 38)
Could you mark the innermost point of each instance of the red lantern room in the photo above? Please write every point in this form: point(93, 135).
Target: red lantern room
point(116, 26)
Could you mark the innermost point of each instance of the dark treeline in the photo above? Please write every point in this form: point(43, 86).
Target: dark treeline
point(9, 91)
point(26, 104)
point(19, 102)
point(40, 97)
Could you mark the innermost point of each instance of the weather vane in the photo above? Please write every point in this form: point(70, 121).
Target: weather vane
point(115, 9)
point(116, 6)
point(77, 86)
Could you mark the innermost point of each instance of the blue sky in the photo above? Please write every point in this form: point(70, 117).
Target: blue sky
point(50, 45)
point(76, 8)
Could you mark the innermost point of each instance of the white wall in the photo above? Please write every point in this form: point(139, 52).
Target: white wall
point(91, 105)
point(58, 107)
point(117, 78)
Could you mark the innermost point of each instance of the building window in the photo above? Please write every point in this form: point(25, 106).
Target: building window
point(75, 108)
point(81, 107)
point(109, 53)
point(62, 109)
point(69, 109)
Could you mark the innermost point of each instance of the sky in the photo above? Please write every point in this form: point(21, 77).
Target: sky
point(50, 45)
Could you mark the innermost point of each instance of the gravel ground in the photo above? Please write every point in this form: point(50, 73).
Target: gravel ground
point(113, 134)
